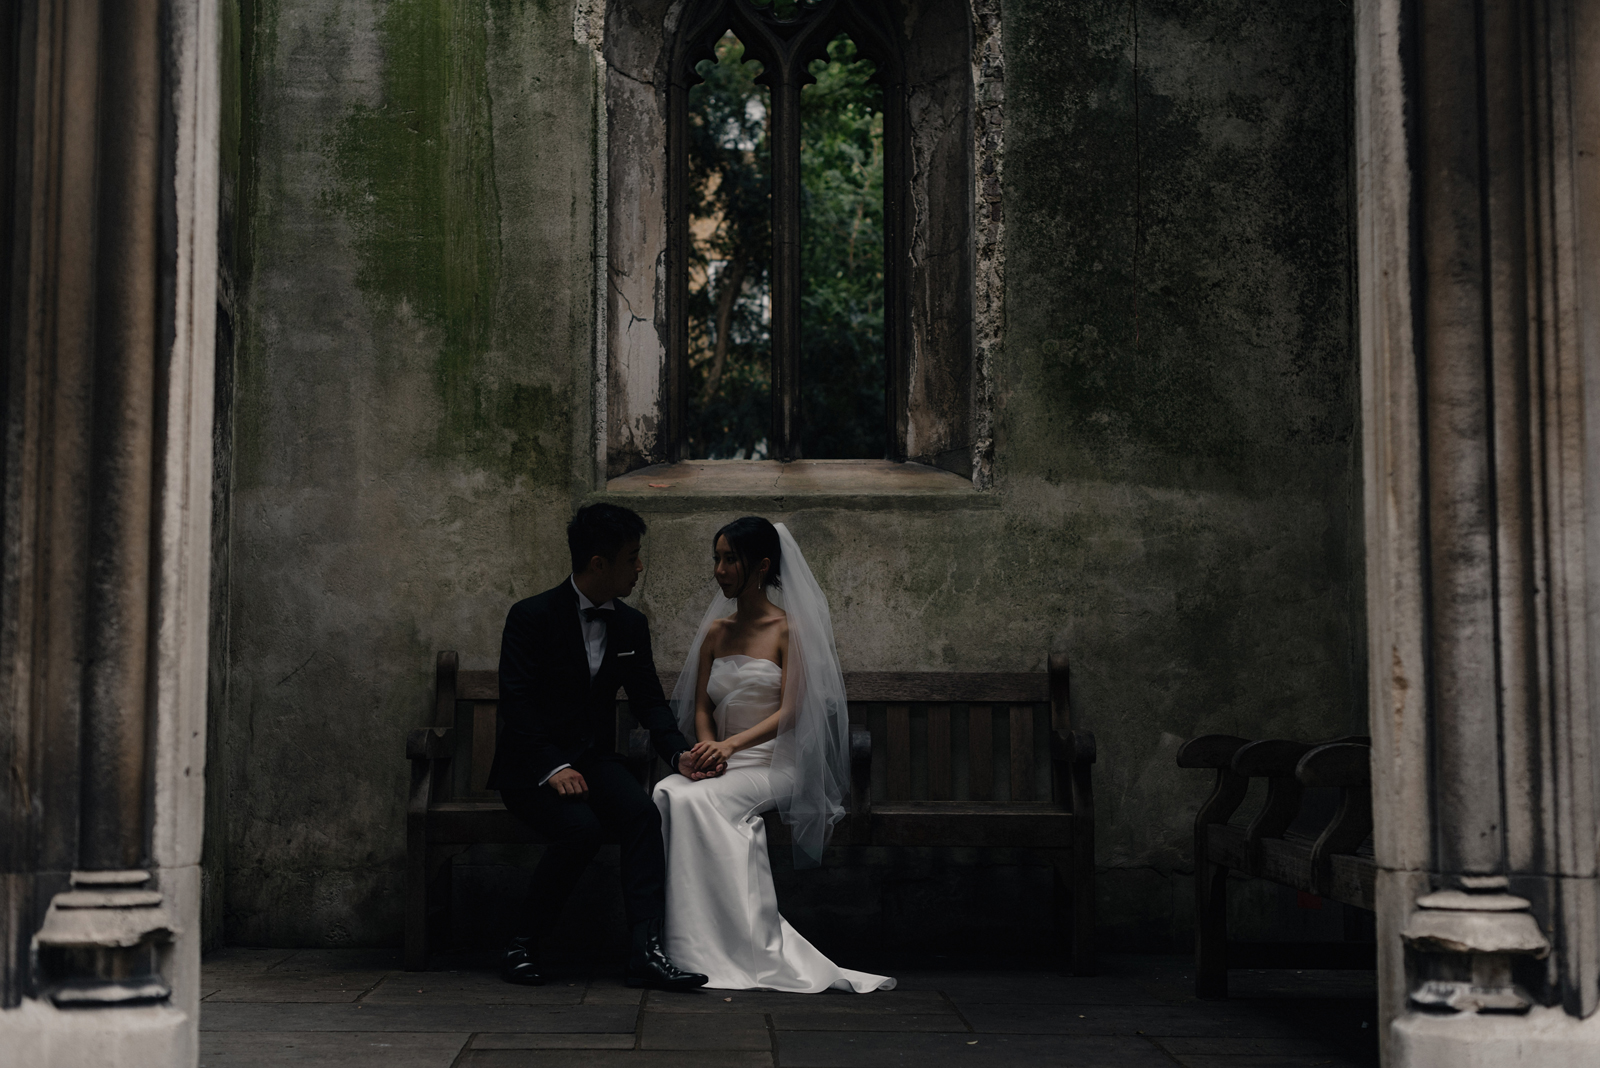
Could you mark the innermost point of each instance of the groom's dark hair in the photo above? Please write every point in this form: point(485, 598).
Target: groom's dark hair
point(601, 530)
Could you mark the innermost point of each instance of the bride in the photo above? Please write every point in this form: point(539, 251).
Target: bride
point(762, 691)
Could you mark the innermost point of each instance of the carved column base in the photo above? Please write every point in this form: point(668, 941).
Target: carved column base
point(1463, 944)
point(101, 942)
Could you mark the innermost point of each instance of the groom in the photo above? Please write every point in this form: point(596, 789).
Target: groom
point(562, 657)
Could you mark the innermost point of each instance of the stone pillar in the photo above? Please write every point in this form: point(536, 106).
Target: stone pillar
point(1479, 234)
point(108, 114)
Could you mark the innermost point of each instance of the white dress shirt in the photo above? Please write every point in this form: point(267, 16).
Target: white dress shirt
point(594, 631)
point(594, 643)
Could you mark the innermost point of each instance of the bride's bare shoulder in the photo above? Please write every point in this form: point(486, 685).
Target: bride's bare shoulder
point(715, 632)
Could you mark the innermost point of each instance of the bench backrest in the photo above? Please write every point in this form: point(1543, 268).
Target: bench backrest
point(979, 738)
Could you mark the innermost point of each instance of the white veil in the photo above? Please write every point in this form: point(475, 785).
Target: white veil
point(811, 760)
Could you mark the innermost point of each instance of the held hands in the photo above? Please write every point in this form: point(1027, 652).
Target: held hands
point(568, 783)
point(706, 760)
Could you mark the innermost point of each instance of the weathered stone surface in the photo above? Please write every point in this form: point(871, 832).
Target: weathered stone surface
point(498, 1058)
point(471, 988)
point(547, 1041)
point(266, 1016)
point(413, 419)
point(746, 1031)
point(852, 1050)
point(349, 1049)
point(1313, 1024)
point(895, 1002)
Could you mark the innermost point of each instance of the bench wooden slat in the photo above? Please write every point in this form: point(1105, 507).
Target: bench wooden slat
point(478, 686)
point(939, 788)
point(953, 823)
point(912, 687)
point(980, 745)
point(482, 744)
point(899, 752)
point(1286, 860)
point(1021, 753)
point(1354, 881)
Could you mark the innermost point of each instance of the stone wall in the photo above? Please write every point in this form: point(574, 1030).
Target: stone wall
point(1174, 496)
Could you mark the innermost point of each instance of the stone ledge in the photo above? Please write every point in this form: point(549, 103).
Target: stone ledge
point(757, 485)
point(1542, 1038)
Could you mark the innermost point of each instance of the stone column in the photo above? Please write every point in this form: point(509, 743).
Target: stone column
point(109, 112)
point(1479, 230)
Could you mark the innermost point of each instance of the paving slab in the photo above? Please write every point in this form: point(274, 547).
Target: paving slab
point(470, 988)
point(1321, 983)
point(881, 1002)
point(239, 961)
point(608, 1058)
point(739, 1031)
point(798, 1020)
point(1249, 1047)
point(1217, 1021)
point(297, 987)
point(1319, 1061)
point(343, 960)
point(531, 1041)
point(323, 1049)
point(1024, 988)
point(613, 992)
point(225, 1016)
point(820, 1049)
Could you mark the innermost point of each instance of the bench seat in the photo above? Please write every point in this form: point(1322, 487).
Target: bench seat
point(907, 783)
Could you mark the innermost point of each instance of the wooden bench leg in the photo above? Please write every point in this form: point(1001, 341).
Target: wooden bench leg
point(416, 954)
point(1210, 930)
point(1073, 901)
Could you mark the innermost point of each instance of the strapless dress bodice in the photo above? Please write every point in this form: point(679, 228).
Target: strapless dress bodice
point(744, 690)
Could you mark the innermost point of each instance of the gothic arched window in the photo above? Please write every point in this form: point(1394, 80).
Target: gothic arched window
point(786, 197)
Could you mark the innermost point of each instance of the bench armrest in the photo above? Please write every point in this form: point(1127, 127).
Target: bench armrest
point(1227, 793)
point(1073, 752)
point(1348, 766)
point(1074, 747)
point(1273, 759)
point(1210, 751)
point(430, 743)
point(1342, 764)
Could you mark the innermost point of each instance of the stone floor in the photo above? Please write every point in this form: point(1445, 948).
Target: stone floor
point(356, 1008)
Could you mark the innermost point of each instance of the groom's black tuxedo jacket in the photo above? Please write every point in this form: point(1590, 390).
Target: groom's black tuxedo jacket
point(550, 712)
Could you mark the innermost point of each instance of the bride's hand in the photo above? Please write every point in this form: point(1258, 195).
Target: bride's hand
point(707, 755)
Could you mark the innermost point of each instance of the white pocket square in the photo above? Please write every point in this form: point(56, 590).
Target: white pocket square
point(630, 652)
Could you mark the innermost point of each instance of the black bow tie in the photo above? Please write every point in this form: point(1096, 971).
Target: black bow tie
point(592, 614)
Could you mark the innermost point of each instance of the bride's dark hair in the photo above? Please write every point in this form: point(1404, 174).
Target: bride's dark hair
point(753, 540)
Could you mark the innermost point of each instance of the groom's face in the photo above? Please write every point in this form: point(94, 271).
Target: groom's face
point(618, 576)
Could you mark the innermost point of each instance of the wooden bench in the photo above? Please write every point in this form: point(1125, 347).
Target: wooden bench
point(1335, 862)
point(936, 759)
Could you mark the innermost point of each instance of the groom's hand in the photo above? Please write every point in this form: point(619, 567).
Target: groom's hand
point(568, 783)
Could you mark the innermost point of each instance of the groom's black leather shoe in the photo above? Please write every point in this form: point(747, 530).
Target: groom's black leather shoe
point(516, 964)
point(650, 965)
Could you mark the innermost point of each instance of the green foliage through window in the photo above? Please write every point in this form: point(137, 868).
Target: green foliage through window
point(730, 259)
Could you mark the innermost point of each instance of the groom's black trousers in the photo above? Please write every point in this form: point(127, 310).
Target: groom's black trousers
point(616, 809)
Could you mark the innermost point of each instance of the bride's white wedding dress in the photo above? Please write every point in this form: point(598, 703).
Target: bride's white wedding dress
point(722, 910)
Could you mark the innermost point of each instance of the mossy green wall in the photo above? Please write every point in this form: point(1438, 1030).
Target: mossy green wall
point(410, 381)
point(1175, 502)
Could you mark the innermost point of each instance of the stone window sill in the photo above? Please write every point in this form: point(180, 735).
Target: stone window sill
point(757, 485)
